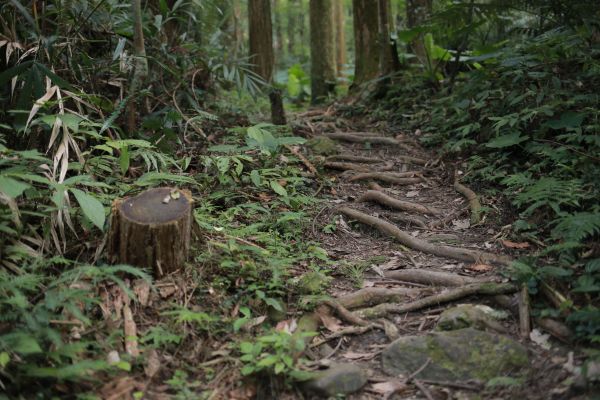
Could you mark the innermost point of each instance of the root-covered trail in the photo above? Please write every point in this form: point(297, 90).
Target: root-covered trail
point(421, 307)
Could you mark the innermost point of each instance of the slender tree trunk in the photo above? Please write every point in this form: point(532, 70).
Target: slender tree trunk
point(238, 34)
point(292, 11)
point(340, 37)
point(279, 48)
point(417, 12)
point(366, 41)
point(387, 63)
point(301, 29)
point(140, 68)
point(261, 52)
point(322, 49)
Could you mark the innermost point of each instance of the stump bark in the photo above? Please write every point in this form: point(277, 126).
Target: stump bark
point(152, 230)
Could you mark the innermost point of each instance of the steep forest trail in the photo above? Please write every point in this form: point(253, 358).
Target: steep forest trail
point(415, 263)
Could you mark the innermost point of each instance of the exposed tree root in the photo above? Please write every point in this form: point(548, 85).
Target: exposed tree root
point(456, 253)
point(408, 219)
point(345, 166)
point(429, 277)
point(350, 137)
point(472, 198)
point(410, 160)
point(373, 295)
point(488, 288)
point(353, 330)
point(556, 329)
point(382, 198)
point(375, 186)
point(344, 314)
point(353, 158)
point(398, 178)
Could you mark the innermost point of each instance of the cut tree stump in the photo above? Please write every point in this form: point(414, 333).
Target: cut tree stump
point(152, 230)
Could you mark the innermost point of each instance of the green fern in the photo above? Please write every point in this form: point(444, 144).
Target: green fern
point(577, 227)
point(550, 192)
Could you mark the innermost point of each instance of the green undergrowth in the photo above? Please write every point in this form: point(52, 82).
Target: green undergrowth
point(526, 123)
point(247, 270)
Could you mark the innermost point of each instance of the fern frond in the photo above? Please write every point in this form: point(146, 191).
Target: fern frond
point(578, 226)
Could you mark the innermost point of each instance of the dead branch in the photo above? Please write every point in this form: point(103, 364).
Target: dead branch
point(487, 288)
point(429, 277)
point(472, 198)
point(345, 166)
point(404, 238)
point(556, 328)
point(344, 314)
point(305, 161)
point(401, 178)
point(353, 158)
point(384, 199)
point(524, 315)
point(374, 295)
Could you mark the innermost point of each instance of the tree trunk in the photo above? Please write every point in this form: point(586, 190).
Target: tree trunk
point(417, 12)
point(387, 64)
point(238, 35)
point(340, 37)
point(152, 230)
point(140, 67)
point(322, 52)
point(261, 52)
point(292, 11)
point(278, 31)
point(366, 41)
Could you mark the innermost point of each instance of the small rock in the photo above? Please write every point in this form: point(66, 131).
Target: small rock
point(113, 357)
point(455, 356)
point(337, 379)
point(471, 316)
point(322, 145)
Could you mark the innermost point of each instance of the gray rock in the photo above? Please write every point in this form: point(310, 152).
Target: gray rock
point(471, 316)
point(455, 356)
point(322, 145)
point(337, 379)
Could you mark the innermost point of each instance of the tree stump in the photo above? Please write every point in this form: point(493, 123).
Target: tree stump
point(152, 230)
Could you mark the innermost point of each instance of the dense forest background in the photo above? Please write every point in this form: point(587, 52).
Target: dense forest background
point(100, 99)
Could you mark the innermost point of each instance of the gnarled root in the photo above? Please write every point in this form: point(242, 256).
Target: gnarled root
point(384, 199)
point(474, 204)
point(373, 295)
point(398, 178)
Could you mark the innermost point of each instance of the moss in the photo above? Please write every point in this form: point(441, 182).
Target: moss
point(322, 145)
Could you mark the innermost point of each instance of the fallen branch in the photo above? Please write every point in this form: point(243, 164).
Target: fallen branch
point(524, 313)
point(373, 295)
point(344, 314)
point(305, 161)
point(345, 166)
point(474, 204)
point(487, 288)
point(406, 239)
point(353, 158)
point(399, 178)
point(429, 277)
point(384, 199)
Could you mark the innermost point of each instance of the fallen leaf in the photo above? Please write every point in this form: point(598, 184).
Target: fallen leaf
point(461, 223)
point(412, 193)
point(253, 322)
point(288, 326)
point(392, 263)
point(391, 330)
point(331, 323)
point(130, 332)
point(152, 364)
point(388, 388)
point(515, 245)
point(540, 339)
point(166, 291)
point(141, 288)
point(480, 267)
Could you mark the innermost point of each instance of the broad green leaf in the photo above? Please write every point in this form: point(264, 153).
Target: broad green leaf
point(277, 188)
point(12, 187)
point(255, 177)
point(91, 207)
point(4, 359)
point(124, 159)
point(506, 140)
point(567, 120)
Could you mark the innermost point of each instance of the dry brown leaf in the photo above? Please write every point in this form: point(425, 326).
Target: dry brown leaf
point(288, 326)
point(167, 291)
point(480, 267)
point(152, 364)
point(253, 322)
point(515, 245)
point(246, 392)
point(141, 288)
point(388, 388)
point(119, 389)
point(130, 331)
point(331, 323)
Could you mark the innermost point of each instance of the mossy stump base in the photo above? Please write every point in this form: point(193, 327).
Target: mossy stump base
point(152, 230)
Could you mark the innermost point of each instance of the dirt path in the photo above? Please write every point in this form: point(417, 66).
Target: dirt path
point(373, 259)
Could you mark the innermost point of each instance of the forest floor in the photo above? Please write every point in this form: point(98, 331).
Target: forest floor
point(368, 262)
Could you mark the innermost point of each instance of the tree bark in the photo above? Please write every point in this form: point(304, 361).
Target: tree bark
point(417, 12)
point(140, 68)
point(261, 51)
point(322, 52)
point(278, 30)
point(292, 10)
point(340, 36)
point(387, 64)
point(152, 230)
point(366, 41)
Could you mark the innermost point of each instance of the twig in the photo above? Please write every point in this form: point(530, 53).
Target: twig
point(406, 239)
point(304, 160)
point(384, 199)
point(488, 288)
point(423, 389)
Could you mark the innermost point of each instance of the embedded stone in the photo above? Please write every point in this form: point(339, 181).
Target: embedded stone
point(338, 379)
